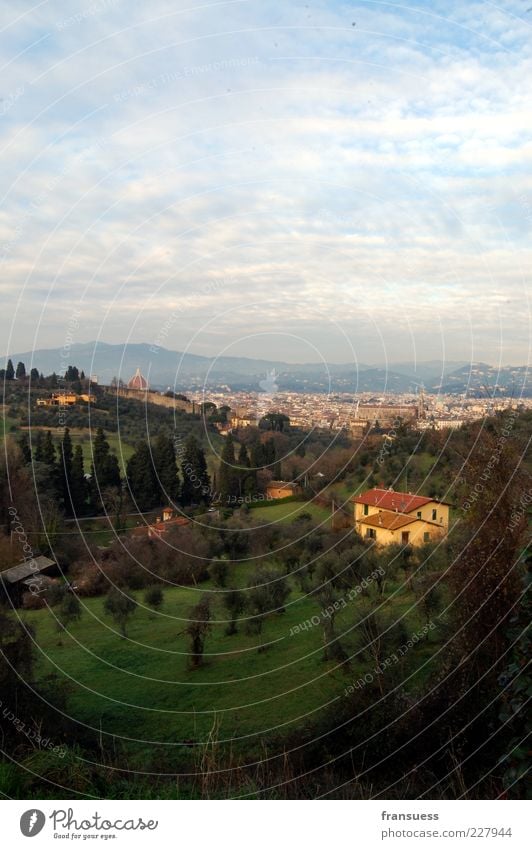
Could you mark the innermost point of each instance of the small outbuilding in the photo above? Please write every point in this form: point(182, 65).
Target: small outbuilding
point(26, 576)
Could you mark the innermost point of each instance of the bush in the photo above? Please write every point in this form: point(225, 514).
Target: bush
point(32, 602)
point(154, 597)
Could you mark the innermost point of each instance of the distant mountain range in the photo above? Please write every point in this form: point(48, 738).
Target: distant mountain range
point(184, 371)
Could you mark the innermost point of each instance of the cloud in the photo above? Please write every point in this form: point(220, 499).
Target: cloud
point(319, 169)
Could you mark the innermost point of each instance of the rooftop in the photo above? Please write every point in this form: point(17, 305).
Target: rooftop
point(390, 521)
point(26, 569)
point(388, 499)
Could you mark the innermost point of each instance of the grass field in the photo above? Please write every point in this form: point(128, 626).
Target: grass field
point(288, 512)
point(141, 688)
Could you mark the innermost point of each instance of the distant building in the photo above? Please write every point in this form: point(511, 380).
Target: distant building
point(138, 382)
point(389, 517)
point(63, 399)
point(282, 489)
point(243, 420)
point(358, 427)
point(387, 414)
point(170, 519)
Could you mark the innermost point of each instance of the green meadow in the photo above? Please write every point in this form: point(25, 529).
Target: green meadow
point(142, 690)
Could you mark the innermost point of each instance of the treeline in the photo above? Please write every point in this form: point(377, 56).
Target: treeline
point(152, 474)
point(73, 378)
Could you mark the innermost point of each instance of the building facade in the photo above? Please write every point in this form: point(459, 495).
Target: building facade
point(387, 517)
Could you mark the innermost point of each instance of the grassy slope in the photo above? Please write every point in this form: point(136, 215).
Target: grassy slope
point(142, 688)
point(288, 512)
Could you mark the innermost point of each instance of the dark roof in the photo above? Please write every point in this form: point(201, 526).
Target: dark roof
point(26, 569)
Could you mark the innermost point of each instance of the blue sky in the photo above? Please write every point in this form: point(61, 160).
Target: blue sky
point(295, 180)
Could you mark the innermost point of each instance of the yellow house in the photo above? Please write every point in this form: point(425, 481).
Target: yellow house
point(389, 517)
point(58, 399)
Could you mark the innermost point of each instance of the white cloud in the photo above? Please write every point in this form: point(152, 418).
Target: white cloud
point(316, 166)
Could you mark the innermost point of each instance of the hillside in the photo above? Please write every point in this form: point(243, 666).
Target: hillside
point(166, 368)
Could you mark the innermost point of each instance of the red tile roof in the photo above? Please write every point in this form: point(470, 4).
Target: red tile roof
point(387, 499)
point(390, 521)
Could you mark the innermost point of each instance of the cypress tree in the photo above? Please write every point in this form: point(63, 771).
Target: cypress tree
point(48, 449)
point(166, 467)
point(105, 470)
point(39, 443)
point(10, 371)
point(247, 476)
point(21, 371)
point(228, 476)
point(24, 445)
point(196, 488)
point(78, 484)
point(141, 478)
point(65, 466)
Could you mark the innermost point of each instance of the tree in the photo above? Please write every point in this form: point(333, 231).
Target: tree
point(154, 597)
point(10, 371)
point(105, 469)
point(21, 371)
point(164, 458)
point(484, 577)
point(65, 466)
point(218, 571)
point(234, 602)
point(48, 449)
point(72, 374)
point(120, 607)
point(275, 421)
point(327, 598)
point(228, 476)
point(69, 610)
point(196, 487)
point(142, 479)
point(34, 375)
point(247, 477)
point(16, 661)
point(24, 445)
point(197, 629)
point(267, 592)
point(78, 483)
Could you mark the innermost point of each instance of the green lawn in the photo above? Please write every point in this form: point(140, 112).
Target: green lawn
point(141, 688)
point(288, 512)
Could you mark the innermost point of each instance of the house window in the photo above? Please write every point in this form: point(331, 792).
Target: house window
point(366, 509)
point(434, 515)
point(426, 537)
point(419, 514)
point(371, 533)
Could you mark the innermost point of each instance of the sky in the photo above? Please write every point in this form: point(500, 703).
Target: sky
point(298, 181)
